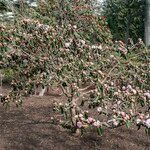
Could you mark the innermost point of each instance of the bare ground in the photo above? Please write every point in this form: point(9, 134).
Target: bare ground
point(29, 128)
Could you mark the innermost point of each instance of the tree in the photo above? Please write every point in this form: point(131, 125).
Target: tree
point(147, 23)
point(125, 18)
point(65, 44)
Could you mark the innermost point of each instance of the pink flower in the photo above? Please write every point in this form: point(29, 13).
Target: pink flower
point(118, 102)
point(67, 44)
point(127, 117)
point(123, 88)
point(79, 124)
point(131, 112)
point(147, 123)
point(60, 104)
point(90, 120)
point(99, 109)
point(138, 121)
point(111, 83)
point(147, 95)
point(82, 41)
point(147, 116)
point(116, 93)
point(74, 26)
point(114, 110)
point(76, 116)
point(141, 116)
point(97, 123)
point(134, 91)
point(129, 87)
point(123, 114)
point(80, 116)
point(115, 123)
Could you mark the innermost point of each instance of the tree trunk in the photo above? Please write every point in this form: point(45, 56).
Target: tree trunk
point(147, 23)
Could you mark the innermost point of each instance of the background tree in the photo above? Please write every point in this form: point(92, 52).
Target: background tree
point(125, 18)
point(147, 23)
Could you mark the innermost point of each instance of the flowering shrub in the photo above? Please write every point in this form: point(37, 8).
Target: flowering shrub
point(75, 53)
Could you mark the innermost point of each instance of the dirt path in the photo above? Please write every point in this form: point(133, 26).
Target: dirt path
point(29, 128)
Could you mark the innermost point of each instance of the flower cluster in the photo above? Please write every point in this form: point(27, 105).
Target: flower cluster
point(84, 122)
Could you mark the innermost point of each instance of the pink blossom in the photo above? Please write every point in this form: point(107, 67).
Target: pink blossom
point(134, 91)
point(114, 110)
point(129, 87)
point(79, 124)
point(123, 114)
point(99, 109)
point(90, 120)
point(114, 106)
point(131, 111)
point(67, 44)
point(60, 104)
point(111, 56)
point(114, 116)
point(74, 26)
point(116, 93)
point(138, 121)
point(127, 117)
point(115, 123)
point(118, 102)
point(123, 88)
point(141, 116)
point(82, 41)
point(111, 83)
point(80, 115)
point(147, 94)
point(147, 123)
point(97, 123)
point(76, 116)
point(147, 116)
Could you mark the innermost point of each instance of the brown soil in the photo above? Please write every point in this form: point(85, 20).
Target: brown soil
point(29, 128)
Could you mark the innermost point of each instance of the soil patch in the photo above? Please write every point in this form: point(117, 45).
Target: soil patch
point(29, 128)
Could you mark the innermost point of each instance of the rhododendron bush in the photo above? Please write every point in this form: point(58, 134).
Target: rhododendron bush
point(105, 83)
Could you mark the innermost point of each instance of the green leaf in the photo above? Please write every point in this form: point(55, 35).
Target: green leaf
point(100, 89)
point(100, 131)
point(142, 102)
point(128, 123)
